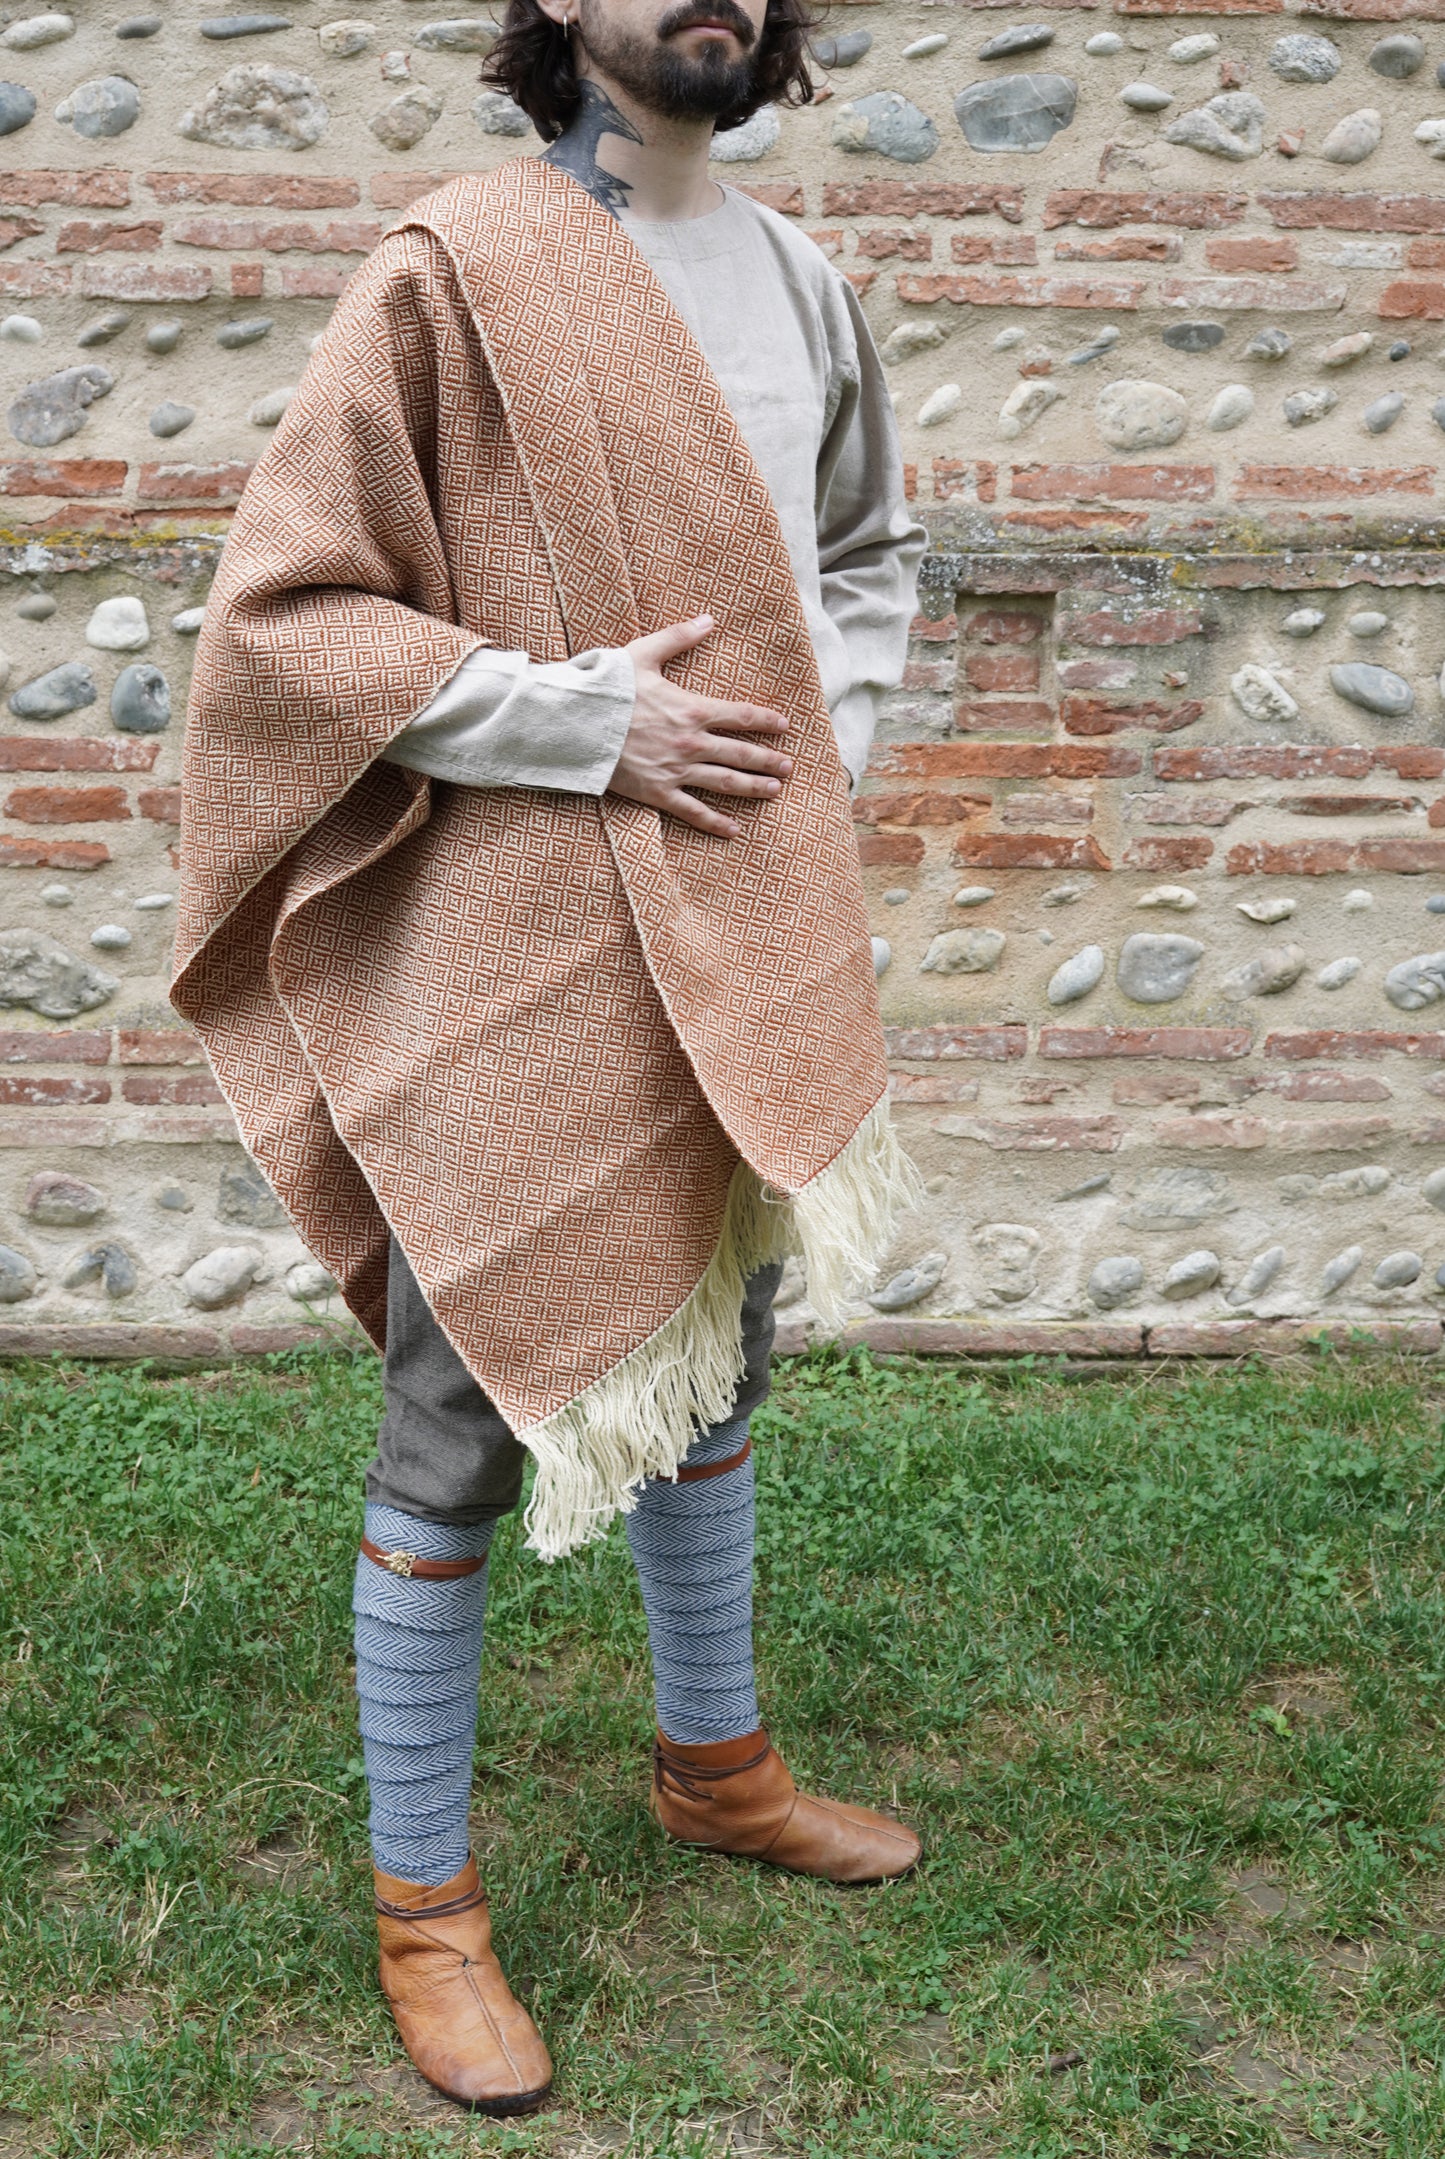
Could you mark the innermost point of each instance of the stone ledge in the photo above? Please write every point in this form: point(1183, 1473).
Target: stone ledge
point(180, 1344)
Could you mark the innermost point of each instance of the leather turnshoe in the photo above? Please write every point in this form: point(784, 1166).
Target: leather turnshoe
point(736, 1796)
point(459, 2020)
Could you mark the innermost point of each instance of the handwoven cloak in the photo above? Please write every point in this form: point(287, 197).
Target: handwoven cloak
point(589, 1065)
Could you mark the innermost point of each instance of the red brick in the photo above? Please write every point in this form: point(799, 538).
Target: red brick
point(1091, 716)
point(76, 753)
point(1149, 1090)
point(1315, 1086)
point(1006, 716)
point(1308, 483)
point(881, 243)
point(1412, 298)
point(1113, 483)
point(996, 1338)
point(1280, 295)
point(172, 1128)
point(15, 229)
point(18, 854)
point(1105, 207)
point(1261, 761)
point(930, 1087)
point(1005, 760)
point(1156, 626)
point(1199, 7)
point(1037, 1135)
point(1021, 291)
point(190, 1091)
point(1369, 1042)
point(941, 631)
point(34, 1128)
point(1322, 208)
point(145, 281)
point(922, 198)
point(37, 1091)
point(103, 190)
point(1003, 626)
point(1118, 524)
point(339, 236)
point(51, 1340)
point(919, 809)
point(399, 190)
point(878, 848)
point(268, 190)
point(193, 483)
point(161, 804)
point(1046, 809)
point(1326, 858)
point(1246, 1135)
point(87, 236)
point(953, 476)
point(1411, 762)
point(994, 1045)
point(784, 196)
point(1286, 1337)
point(1251, 251)
point(1183, 1045)
point(1426, 255)
point(928, 674)
point(1356, 806)
point(1000, 248)
point(34, 280)
point(248, 280)
point(158, 1046)
point(1158, 856)
point(46, 1046)
point(1030, 851)
point(312, 281)
point(63, 477)
point(991, 672)
point(1174, 809)
point(1376, 10)
point(252, 1341)
point(67, 805)
point(1110, 674)
point(1121, 247)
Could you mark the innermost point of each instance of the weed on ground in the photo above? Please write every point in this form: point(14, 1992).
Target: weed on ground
point(1156, 1664)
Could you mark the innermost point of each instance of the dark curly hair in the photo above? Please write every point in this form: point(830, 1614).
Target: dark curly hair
point(532, 62)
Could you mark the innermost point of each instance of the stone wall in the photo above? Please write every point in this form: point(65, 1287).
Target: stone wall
point(1154, 828)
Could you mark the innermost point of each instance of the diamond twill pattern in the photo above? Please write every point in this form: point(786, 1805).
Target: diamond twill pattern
point(533, 1032)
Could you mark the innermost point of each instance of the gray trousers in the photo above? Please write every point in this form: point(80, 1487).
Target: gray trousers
point(444, 1451)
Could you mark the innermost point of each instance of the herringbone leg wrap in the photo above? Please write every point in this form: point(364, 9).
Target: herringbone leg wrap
point(692, 1543)
point(418, 1667)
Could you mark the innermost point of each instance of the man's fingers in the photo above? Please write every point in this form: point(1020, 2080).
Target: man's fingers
point(751, 719)
point(668, 644)
point(699, 815)
point(741, 756)
point(722, 780)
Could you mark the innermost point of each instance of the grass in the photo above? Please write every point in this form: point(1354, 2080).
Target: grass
point(1157, 1665)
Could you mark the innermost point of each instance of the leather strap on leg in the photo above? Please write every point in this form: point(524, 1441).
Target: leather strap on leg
point(697, 1470)
point(411, 1567)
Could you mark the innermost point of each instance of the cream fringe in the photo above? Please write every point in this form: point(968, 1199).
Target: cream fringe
point(639, 1421)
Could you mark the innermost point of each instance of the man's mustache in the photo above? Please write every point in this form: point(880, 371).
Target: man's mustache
point(688, 16)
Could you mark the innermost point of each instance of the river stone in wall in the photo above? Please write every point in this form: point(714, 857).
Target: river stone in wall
point(38, 974)
point(1230, 126)
point(1137, 415)
point(48, 411)
point(888, 124)
point(1373, 689)
point(1015, 112)
point(50, 696)
point(1154, 968)
point(1417, 982)
point(256, 106)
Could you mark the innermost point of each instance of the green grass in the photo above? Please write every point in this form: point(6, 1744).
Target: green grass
point(1157, 1666)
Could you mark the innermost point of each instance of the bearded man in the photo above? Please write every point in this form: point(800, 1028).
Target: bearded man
point(521, 915)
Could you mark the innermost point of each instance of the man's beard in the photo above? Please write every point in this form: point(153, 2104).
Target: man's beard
point(665, 80)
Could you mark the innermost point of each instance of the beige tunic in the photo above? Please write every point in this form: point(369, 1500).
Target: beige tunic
point(786, 339)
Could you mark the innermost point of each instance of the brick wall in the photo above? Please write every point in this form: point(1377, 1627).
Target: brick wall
point(1159, 405)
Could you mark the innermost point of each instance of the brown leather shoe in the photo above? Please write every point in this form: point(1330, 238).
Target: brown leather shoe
point(737, 1796)
point(459, 2020)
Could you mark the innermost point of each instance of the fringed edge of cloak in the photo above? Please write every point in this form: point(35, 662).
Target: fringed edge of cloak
point(640, 1419)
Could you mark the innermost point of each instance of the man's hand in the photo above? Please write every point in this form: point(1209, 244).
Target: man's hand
point(674, 741)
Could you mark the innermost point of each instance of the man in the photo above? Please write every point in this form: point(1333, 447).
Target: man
point(521, 916)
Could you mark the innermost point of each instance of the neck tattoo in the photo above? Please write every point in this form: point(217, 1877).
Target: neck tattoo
point(575, 151)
